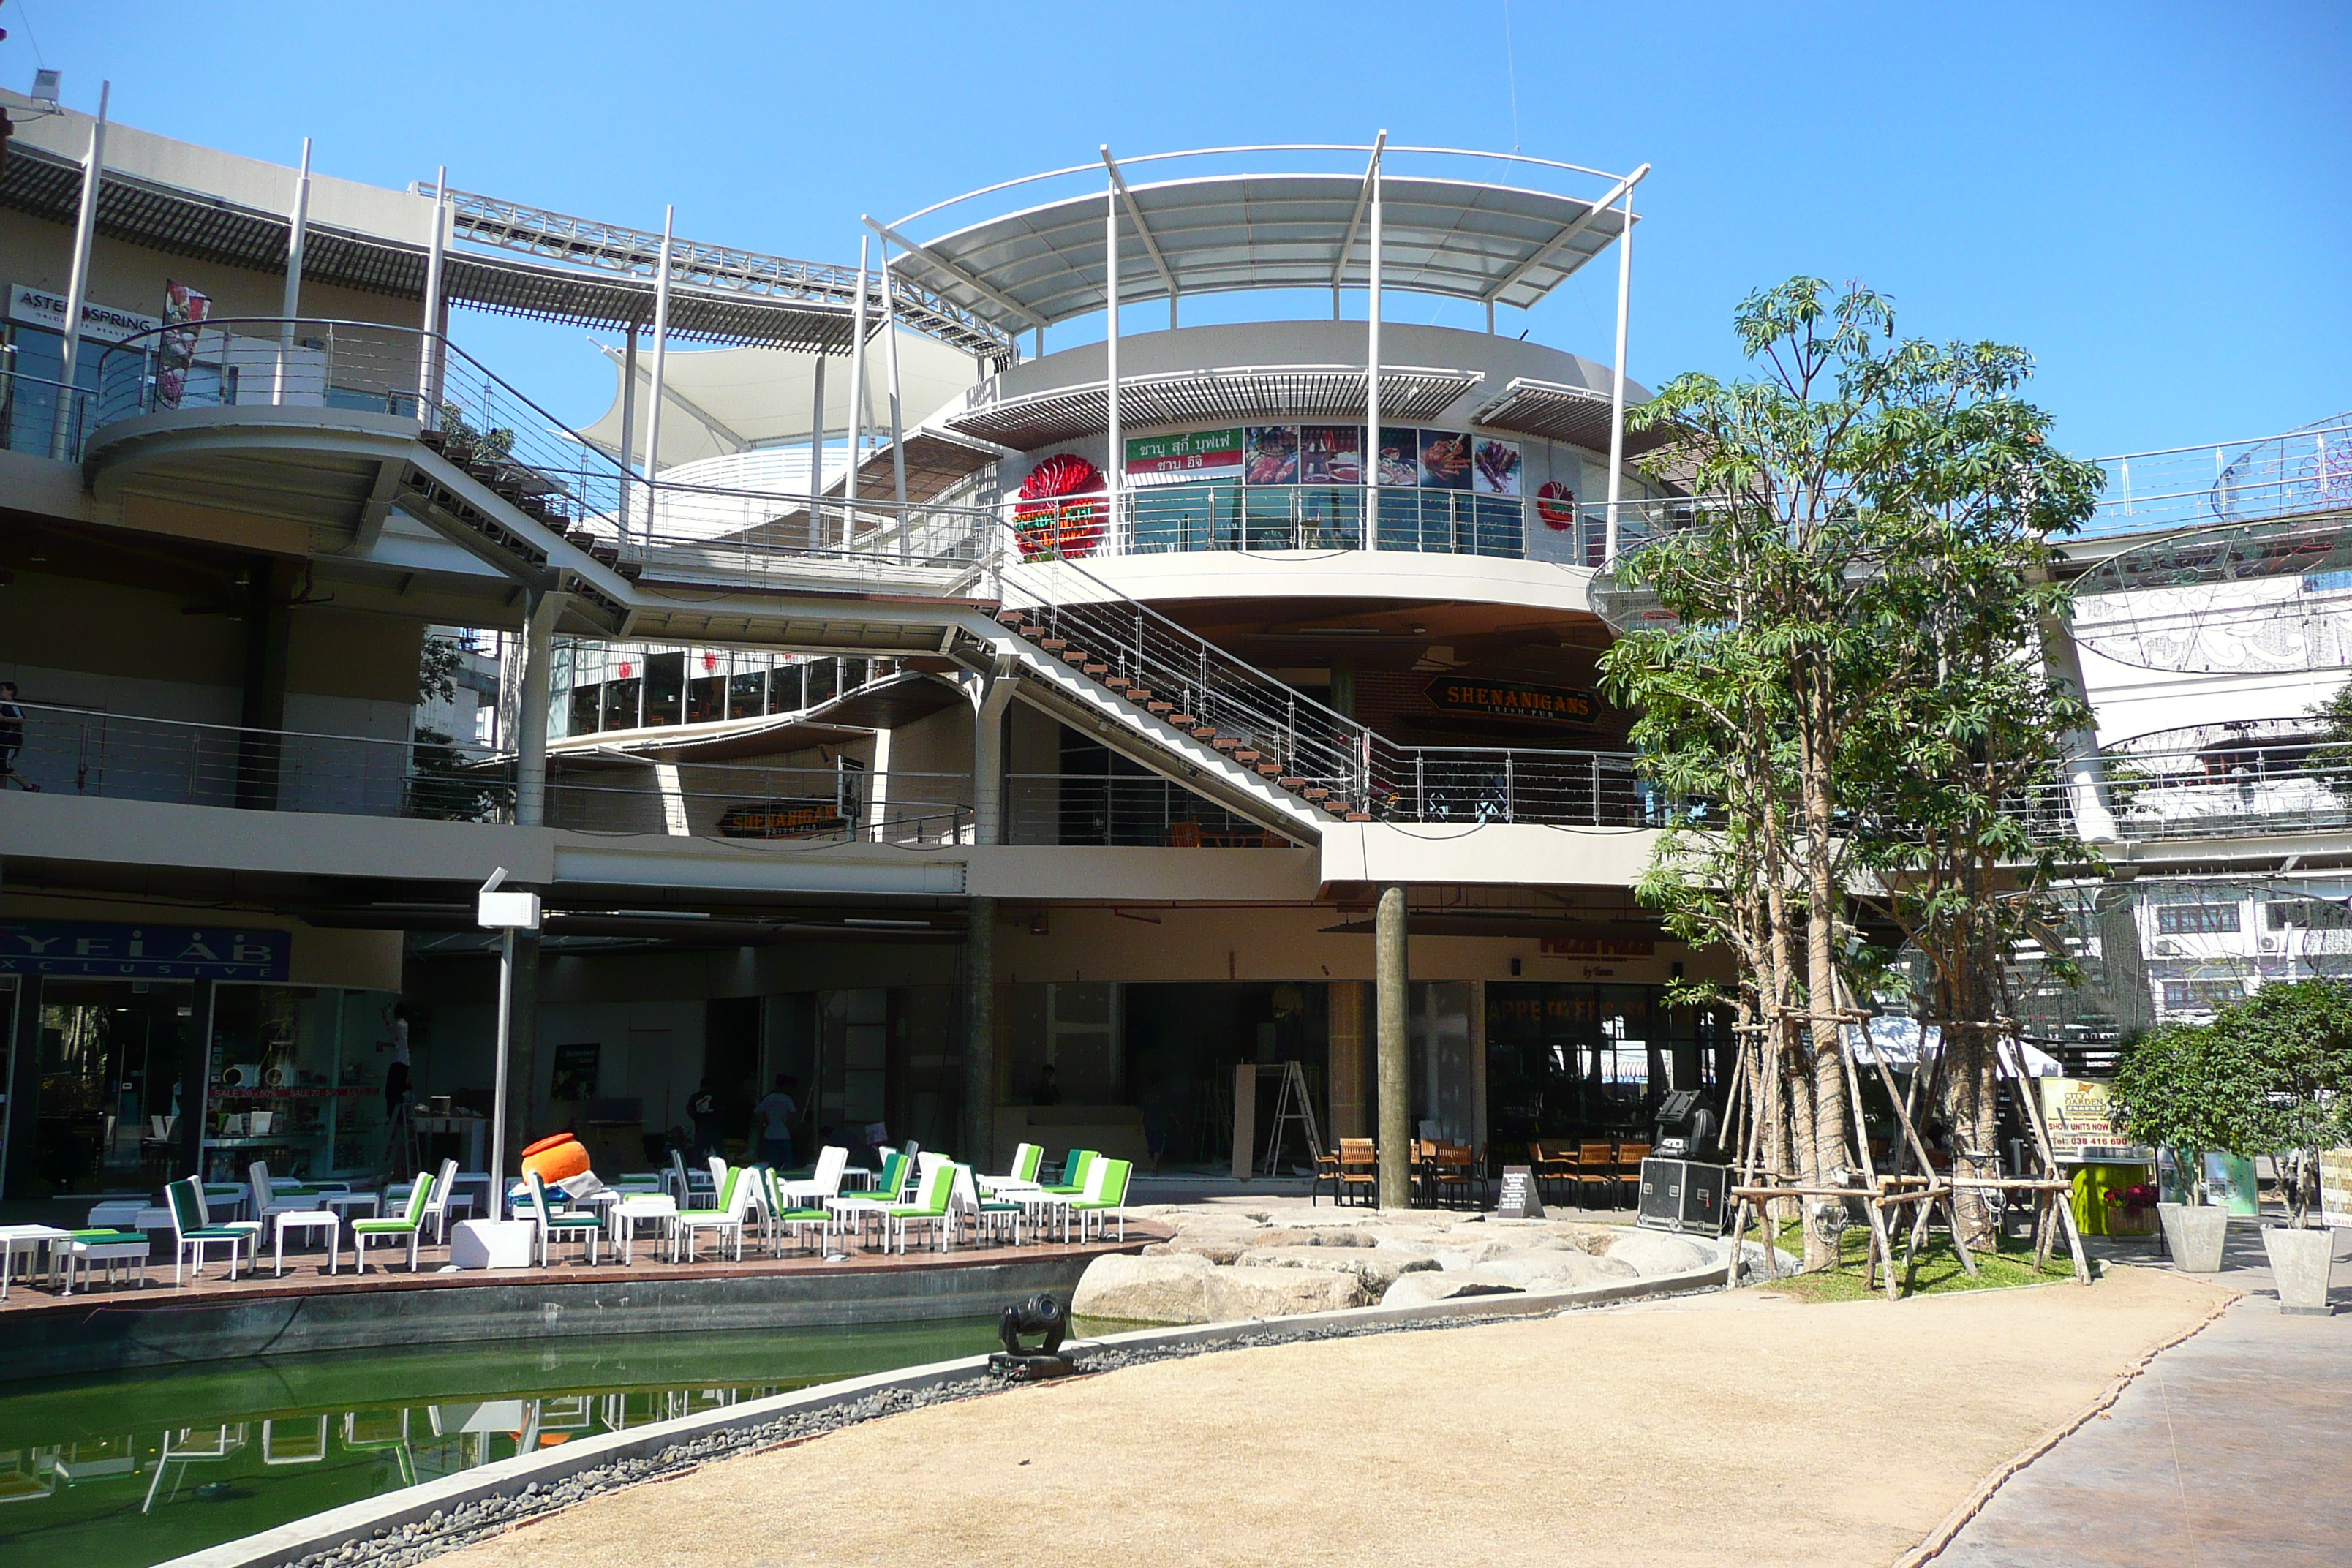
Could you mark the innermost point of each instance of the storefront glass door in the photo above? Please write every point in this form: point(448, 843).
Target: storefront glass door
point(110, 1068)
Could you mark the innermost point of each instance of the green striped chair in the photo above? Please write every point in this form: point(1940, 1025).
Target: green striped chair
point(930, 1207)
point(585, 1227)
point(1074, 1173)
point(1108, 1196)
point(784, 1215)
point(193, 1236)
point(411, 1224)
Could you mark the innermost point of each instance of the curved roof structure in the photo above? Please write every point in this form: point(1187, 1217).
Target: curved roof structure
point(1462, 239)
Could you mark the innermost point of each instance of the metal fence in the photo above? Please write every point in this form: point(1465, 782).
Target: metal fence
point(41, 417)
point(118, 757)
point(609, 792)
point(2288, 475)
point(507, 442)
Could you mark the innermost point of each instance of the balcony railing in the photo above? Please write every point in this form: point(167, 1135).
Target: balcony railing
point(1127, 809)
point(600, 792)
point(40, 418)
point(500, 437)
point(119, 756)
point(2289, 475)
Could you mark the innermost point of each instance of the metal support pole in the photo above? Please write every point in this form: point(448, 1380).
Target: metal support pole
point(628, 427)
point(1115, 459)
point(890, 369)
point(1389, 1002)
point(856, 401)
point(1617, 381)
point(93, 177)
point(498, 1076)
point(1371, 524)
point(297, 231)
point(544, 609)
point(816, 445)
point(661, 367)
point(428, 346)
point(980, 1033)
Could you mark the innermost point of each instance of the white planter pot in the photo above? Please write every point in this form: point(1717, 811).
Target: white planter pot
point(2194, 1233)
point(2301, 1262)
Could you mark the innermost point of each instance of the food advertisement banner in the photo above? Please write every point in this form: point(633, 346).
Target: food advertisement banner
point(2336, 1187)
point(1273, 454)
point(1195, 455)
point(2081, 1121)
point(1331, 455)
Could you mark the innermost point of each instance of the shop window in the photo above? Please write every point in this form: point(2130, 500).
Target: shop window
point(706, 693)
point(621, 703)
point(2198, 920)
point(823, 676)
point(664, 689)
point(788, 689)
point(586, 702)
point(747, 693)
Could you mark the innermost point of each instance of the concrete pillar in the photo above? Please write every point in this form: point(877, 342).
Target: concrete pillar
point(262, 708)
point(23, 1086)
point(1478, 1064)
point(991, 696)
point(530, 715)
point(1395, 1056)
point(1351, 1035)
point(980, 1035)
point(522, 1042)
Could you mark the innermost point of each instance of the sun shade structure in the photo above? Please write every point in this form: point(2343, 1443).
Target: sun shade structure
point(1314, 392)
point(1495, 243)
point(1561, 413)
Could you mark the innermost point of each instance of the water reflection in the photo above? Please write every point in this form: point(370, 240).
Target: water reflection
point(126, 1471)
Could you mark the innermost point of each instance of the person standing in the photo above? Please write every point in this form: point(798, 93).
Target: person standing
point(396, 1072)
point(704, 1109)
point(776, 1114)
point(12, 738)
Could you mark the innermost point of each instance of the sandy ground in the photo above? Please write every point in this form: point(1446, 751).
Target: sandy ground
point(1665, 1433)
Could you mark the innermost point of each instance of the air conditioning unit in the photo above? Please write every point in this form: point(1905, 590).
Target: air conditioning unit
point(2167, 948)
point(2273, 944)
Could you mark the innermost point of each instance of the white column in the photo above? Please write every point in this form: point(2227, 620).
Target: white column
point(890, 369)
point(1617, 381)
point(428, 346)
point(661, 366)
point(1371, 524)
point(541, 611)
point(856, 400)
point(816, 445)
point(298, 230)
point(628, 425)
point(93, 176)
point(1116, 458)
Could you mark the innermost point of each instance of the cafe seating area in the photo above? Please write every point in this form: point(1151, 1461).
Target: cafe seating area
point(1590, 1174)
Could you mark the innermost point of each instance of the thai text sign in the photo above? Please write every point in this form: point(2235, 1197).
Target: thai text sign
point(1195, 455)
point(143, 952)
point(1545, 704)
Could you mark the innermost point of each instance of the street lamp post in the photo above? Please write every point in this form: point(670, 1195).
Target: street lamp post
point(505, 914)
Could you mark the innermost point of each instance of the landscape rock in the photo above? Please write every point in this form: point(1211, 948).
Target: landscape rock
point(1376, 1269)
point(1215, 1248)
point(1651, 1253)
point(1438, 1285)
point(1171, 1289)
point(1246, 1291)
point(1555, 1268)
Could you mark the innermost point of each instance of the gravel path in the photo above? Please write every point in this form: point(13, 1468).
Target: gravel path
point(1669, 1432)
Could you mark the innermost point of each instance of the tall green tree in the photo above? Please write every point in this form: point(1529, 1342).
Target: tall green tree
point(1872, 511)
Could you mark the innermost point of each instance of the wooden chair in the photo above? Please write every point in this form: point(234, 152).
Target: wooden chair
point(1596, 1167)
point(1552, 1162)
point(1629, 1167)
point(1358, 1162)
point(1425, 1173)
point(1455, 1172)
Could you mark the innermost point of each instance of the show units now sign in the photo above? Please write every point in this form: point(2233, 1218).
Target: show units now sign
point(107, 952)
point(1544, 704)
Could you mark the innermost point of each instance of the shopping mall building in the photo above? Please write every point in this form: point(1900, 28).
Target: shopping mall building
point(1011, 741)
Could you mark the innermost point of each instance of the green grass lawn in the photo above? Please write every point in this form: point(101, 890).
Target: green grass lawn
point(1938, 1269)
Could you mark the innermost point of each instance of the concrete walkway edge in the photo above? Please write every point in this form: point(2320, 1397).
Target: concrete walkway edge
point(292, 1541)
point(1973, 1504)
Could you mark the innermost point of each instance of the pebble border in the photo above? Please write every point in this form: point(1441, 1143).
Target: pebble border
point(405, 1528)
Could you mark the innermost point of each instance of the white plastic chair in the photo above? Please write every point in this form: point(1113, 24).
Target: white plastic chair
point(737, 1196)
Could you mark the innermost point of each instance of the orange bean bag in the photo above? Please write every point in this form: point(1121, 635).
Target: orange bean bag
point(556, 1158)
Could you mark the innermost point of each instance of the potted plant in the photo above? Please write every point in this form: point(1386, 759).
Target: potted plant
point(2299, 1038)
point(2190, 1087)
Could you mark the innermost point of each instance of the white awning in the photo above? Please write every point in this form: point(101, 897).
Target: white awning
point(731, 400)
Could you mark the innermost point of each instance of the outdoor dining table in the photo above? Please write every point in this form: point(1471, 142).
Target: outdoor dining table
point(31, 1240)
point(343, 1202)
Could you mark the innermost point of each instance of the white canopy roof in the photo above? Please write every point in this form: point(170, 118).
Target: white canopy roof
point(1898, 1042)
point(730, 400)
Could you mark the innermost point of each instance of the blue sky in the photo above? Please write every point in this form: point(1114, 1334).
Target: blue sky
point(2152, 198)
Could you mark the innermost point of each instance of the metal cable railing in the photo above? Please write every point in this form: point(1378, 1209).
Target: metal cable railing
point(516, 450)
point(612, 792)
point(2287, 475)
point(41, 417)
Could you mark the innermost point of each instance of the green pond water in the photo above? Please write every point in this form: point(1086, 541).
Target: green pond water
point(127, 1470)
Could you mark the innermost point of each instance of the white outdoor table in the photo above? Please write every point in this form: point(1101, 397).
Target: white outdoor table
point(311, 1220)
point(492, 1243)
point(1035, 1200)
point(29, 1239)
point(633, 1207)
point(343, 1202)
point(80, 1255)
